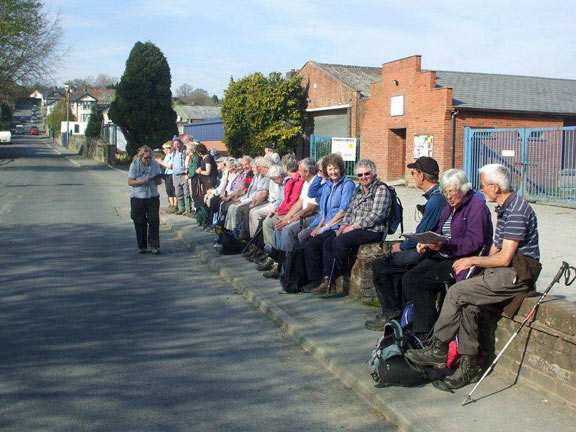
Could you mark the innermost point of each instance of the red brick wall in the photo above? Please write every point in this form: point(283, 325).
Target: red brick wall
point(426, 112)
point(329, 92)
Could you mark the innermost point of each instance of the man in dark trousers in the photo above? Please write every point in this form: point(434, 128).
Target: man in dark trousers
point(511, 268)
point(388, 270)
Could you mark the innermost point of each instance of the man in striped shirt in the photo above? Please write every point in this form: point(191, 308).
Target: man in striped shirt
point(511, 268)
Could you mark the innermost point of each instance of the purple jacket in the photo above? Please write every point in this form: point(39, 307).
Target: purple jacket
point(471, 228)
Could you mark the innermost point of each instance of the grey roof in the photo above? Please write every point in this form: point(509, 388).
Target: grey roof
point(481, 91)
point(356, 77)
point(77, 96)
point(200, 112)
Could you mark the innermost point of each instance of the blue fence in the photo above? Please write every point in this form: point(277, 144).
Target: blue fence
point(542, 160)
point(322, 146)
point(206, 130)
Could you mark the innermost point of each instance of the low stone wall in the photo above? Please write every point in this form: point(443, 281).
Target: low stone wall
point(543, 355)
point(93, 148)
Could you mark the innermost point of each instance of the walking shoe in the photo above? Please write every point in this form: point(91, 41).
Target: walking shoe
point(435, 355)
point(266, 265)
point(170, 209)
point(154, 251)
point(468, 372)
point(274, 273)
point(142, 251)
point(376, 324)
point(323, 288)
point(310, 286)
point(258, 257)
point(249, 250)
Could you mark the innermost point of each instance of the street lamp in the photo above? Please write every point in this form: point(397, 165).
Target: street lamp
point(67, 89)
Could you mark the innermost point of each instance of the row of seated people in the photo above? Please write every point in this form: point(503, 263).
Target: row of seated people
point(313, 211)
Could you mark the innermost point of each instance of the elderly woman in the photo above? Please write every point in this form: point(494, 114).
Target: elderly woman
point(467, 226)
point(166, 163)
point(207, 169)
point(334, 202)
point(365, 222)
point(145, 175)
point(226, 187)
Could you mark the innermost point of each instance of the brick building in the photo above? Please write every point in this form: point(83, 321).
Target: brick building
point(409, 111)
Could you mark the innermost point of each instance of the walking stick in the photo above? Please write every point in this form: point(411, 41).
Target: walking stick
point(569, 273)
point(252, 239)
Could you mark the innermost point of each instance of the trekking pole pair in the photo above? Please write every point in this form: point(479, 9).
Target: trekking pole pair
point(252, 239)
point(569, 274)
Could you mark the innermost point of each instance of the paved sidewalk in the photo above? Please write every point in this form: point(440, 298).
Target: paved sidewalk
point(333, 331)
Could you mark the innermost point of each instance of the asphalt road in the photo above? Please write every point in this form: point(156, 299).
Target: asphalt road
point(98, 338)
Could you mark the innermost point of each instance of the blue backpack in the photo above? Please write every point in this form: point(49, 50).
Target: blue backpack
point(396, 216)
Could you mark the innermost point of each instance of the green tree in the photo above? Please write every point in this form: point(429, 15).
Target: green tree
point(142, 107)
point(58, 115)
point(30, 41)
point(94, 127)
point(259, 110)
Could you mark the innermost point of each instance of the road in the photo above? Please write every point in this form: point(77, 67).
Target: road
point(98, 338)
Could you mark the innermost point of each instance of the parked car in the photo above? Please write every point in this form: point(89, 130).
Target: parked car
point(20, 129)
point(34, 130)
point(5, 137)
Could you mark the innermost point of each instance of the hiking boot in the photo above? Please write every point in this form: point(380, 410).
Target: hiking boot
point(274, 273)
point(249, 251)
point(154, 251)
point(258, 257)
point(435, 355)
point(323, 288)
point(376, 324)
point(142, 251)
point(266, 265)
point(468, 372)
point(181, 207)
point(170, 210)
point(310, 286)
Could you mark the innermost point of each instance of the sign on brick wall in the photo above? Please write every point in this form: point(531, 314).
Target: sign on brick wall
point(346, 147)
point(423, 145)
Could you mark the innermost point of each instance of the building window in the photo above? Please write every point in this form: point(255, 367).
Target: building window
point(397, 105)
point(76, 128)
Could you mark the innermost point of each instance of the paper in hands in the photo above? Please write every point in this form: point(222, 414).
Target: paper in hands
point(427, 237)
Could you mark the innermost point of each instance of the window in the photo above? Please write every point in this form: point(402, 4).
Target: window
point(76, 128)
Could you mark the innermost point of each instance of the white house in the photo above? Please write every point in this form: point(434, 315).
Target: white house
point(76, 128)
point(38, 95)
point(81, 105)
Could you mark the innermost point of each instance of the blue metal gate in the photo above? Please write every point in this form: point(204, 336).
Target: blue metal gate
point(321, 146)
point(542, 160)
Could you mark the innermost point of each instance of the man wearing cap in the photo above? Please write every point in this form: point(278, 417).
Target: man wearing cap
point(388, 270)
point(179, 175)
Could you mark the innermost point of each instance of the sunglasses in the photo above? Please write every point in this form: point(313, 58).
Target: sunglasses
point(147, 158)
point(366, 174)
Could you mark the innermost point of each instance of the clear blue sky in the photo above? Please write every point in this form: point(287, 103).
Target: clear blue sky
point(206, 42)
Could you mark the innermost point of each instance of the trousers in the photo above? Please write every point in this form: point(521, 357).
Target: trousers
point(146, 216)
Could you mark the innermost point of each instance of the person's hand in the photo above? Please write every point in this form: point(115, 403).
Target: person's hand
point(421, 248)
point(198, 171)
point(316, 231)
point(146, 179)
point(281, 224)
point(341, 230)
point(395, 247)
point(435, 246)
point(462, 264)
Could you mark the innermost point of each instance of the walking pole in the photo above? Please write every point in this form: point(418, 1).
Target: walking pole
point(252, 239)
point(570, 275)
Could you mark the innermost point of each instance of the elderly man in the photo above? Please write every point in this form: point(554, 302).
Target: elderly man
point(257, 189)
point(300, 215)
point(511, 268)
point(179, 176)
point(260, 185)
point(388, 270)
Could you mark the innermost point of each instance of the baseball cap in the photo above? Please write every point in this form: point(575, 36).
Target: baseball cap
point(426, 165)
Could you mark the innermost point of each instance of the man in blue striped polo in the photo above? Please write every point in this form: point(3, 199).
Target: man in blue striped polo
point(511, 268)
point(179, 176)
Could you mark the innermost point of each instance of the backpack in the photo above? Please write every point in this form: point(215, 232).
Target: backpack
point(230, 244)
point(389, 365)
point(202, 216)
point(396, 216)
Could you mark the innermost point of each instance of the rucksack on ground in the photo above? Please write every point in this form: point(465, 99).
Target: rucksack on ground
point(389, 365)
point(396, 216)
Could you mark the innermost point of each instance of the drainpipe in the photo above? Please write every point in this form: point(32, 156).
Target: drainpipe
point(453, 113)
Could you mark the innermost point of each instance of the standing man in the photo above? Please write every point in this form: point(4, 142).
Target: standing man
point(511, 268)
point(271, 154)
point(145, 175)
point(179, 176)
point(388, 270)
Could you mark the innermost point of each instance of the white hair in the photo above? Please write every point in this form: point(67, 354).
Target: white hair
point(275, 171)
point(366, 163)
point(497, 174)
point(455, 177)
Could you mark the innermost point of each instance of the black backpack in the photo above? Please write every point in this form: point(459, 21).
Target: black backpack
point(389, 365)
point(396, 215)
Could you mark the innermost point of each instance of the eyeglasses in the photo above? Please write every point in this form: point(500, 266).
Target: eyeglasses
point(147, 157)
point(366, 174)
point(483, 186)
point(451, 193)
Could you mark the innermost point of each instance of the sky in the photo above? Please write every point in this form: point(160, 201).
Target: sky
point(207, 42)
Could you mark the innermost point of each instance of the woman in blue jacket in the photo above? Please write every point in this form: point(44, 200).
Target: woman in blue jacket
point(334, 202)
